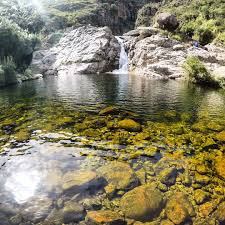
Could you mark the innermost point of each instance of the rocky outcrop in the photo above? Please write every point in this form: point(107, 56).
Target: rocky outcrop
point(156, 55)
point(83, 50)
point(167, 21)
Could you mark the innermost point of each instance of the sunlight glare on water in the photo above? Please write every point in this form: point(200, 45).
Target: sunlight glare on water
point(23, 184)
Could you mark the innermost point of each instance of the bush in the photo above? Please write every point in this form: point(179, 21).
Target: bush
point(146, 14)
point(16, 43)
point(198, 73)
point(200, 20)
point(8, 72)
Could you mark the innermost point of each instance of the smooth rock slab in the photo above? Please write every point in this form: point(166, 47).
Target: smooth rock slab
point(80, 181)
point(142, 203)
point(105, 217)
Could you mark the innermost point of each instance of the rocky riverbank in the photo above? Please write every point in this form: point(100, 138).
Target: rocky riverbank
point(150, 53)
point(155, 55)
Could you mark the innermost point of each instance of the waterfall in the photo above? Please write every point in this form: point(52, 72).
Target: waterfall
point(123, 61)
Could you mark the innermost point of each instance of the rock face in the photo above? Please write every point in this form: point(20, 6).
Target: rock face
point(158, 56)
point(167, 21)
point(83, 50)
point(142, 203)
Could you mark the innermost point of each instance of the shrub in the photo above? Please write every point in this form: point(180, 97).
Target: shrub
point(198, 73)
point(16, 42)
point(8, 72)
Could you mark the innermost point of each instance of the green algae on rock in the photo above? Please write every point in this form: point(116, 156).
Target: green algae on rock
point(129, 125)
point(142, 203)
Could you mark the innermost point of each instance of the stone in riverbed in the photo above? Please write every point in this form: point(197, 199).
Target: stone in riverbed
point(220, 136)
point(119, 176)
point(142, 203)
point(200, 196)
point(220, 213)
point(168, 176)
point(220, 167)
point(179, 209)
point(110, 110)
point(129, 125)
point(76, 181)
point(105, 217)
point(73, 212)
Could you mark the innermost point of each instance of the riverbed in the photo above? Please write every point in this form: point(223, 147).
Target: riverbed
point(73, 145)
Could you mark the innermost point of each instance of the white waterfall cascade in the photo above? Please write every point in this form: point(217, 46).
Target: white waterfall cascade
point(123, 61)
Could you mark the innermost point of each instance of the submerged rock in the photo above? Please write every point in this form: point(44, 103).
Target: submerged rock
point(142, 203)
point(129, 125)
point(220, 167)
point(110, 110)
point(220, 213)
point(76, 181)
point(73, 212)
point(105, 217)
point(119, 176)
point(86, 50)
point(179, 209)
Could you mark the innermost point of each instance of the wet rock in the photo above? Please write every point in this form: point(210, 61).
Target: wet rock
point(201, 179)
point(166, 222)
point(179, 209)
point(220, 213)
point(38, 209)
point(220, 136)
point(73, 212)
point(167, 21)
point(54, 218)
point(142, 203)
point(119, 176)
point(220, 167)
point(129, 125)
point(110, 110)
point(105, 217)
point(207, 208)
point(168, 176)
point(200, 196)
point(76, 181)
point(141, 175)
point(92, 203)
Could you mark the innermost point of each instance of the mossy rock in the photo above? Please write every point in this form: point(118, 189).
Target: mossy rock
point(179, 209)
point(110, 110)
point(142, 203)
point(104, 217)
point(22, 135)
point(119, 176)
point(220, 167)
point(129, 125)
point(220, 136)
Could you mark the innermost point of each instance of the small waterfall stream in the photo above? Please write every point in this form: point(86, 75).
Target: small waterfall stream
point(123, 61)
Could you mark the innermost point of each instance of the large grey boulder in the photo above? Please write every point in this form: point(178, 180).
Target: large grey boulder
point(85, 50)
point(167, 21)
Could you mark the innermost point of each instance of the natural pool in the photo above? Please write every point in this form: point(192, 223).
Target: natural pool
point(111, 149)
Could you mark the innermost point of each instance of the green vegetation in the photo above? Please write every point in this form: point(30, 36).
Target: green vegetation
point(16, 45)
point(200, 20)
point(198, 72)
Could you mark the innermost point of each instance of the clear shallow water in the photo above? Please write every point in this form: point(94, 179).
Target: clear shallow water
point(144, 96)
point(44, 138)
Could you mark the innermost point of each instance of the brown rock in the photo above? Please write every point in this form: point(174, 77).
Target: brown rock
point(105, 217)
point(142, 203)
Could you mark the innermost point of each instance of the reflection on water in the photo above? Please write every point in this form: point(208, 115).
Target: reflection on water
point(23, 183)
